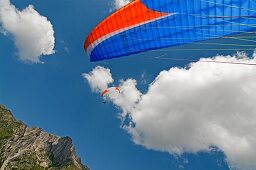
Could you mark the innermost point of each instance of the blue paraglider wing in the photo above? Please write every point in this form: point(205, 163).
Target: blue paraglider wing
point(146, 25)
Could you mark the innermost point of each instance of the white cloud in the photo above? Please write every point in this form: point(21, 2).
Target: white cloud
point(99, 78)
point(120, 3)
point(33, 34)
point(193, 109)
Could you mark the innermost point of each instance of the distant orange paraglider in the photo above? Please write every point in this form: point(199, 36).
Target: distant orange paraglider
point(106, 91)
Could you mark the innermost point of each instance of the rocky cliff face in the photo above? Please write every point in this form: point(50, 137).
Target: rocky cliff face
point(22, 147)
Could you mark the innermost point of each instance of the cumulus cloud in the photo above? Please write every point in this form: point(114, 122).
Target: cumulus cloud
point(33, 34)
point(120, 3)
point(193, 109)
point(99, 78)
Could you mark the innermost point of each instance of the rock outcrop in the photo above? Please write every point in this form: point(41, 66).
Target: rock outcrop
point(22, 147)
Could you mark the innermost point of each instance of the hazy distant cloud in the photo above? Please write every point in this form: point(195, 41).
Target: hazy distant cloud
point(195, 108)
point(33, 34)
point(99, 78)
point(2, 31)
point(64, 46)
point(120, 3)
point(143, 79)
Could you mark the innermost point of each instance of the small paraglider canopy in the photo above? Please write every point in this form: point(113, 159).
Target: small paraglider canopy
point(106, 92)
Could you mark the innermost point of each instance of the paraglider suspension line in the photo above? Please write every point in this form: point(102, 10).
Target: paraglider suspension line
point(205, 61)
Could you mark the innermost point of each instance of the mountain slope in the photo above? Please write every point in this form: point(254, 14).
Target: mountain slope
point(22, 147)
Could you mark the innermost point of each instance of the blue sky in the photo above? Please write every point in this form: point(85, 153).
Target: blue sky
point(55, 97)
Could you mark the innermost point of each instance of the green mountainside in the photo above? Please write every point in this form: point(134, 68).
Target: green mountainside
point(24, 148)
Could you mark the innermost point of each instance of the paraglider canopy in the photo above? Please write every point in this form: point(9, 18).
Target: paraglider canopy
point(106, 92)
point(111, 89)
point(145, 25)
